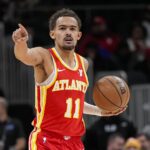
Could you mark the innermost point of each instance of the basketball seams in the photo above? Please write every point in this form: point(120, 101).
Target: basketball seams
point(115, 88)
point(106, 97)
point(102, 107)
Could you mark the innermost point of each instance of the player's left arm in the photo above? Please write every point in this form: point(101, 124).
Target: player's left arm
point(94, 110)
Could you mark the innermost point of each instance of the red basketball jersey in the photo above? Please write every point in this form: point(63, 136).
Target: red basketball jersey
point(59, 105)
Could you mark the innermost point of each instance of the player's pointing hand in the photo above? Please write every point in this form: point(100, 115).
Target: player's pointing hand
point(20, 34)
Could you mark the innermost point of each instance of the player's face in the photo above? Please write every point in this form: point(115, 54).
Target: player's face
point(66, 33)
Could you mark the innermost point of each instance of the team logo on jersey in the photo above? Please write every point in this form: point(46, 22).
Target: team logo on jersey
point(67, 137)
point(44, 139)
point(61, 70)
point(80, 72)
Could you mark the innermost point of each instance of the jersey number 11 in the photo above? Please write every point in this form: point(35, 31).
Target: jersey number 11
point(68, 113)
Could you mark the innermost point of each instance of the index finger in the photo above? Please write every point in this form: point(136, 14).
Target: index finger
point(22, 27)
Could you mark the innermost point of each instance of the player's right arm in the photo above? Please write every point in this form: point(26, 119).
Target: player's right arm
point(29, 56)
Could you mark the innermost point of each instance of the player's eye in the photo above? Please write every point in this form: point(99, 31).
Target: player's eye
point(62, 28)
point(72, 29)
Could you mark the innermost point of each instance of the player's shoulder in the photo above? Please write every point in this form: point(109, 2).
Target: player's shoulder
point(42, 49)
point(38, 49)
point(44, 52)
point(85, 61)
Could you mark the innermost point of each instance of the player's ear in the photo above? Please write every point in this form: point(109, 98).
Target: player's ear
point(52, 35)
point(79, 35)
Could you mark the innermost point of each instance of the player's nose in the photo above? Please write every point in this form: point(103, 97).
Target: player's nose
point(68, 32)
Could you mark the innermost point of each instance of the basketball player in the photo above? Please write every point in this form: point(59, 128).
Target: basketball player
point(61, 83)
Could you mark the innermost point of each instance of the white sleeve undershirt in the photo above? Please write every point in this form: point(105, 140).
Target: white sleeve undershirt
point(91, 109)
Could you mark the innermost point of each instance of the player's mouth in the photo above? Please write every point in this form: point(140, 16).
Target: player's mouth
point(68, 39)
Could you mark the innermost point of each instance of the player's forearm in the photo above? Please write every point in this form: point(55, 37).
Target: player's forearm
point(91, 109)
point(21, 49)
point(24, 54)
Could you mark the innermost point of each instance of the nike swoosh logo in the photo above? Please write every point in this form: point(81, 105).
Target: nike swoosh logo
point(60, 70)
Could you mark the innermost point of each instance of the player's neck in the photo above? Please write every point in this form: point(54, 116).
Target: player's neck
point(67, 56)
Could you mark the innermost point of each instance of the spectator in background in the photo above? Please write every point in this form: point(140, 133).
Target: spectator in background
point(146, 130)
point(123, 55)
point(97, 135)
point(103, 42)
point(133, 53)
point(11, 132)
point(115, 142)
point(100, 35)
point(138, 47)
point(132, 144)
point(146, 22)
point(144, 140)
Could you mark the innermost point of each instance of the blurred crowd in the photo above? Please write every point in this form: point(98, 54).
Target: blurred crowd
point(128, 51)
point(116, 133)
point(110, 44)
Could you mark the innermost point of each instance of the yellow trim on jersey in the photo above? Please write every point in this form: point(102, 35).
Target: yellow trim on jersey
point(34, 139)
point(40, 115)
point(36, 105)
point(55, 75)
point(41, 97)
point(82, 62)
point(36, 98)
point(43, 93)
point(63, 63)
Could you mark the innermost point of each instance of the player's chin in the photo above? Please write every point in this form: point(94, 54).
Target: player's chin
point(68, 47)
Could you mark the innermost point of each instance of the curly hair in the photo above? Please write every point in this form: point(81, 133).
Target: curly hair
point(61, 13)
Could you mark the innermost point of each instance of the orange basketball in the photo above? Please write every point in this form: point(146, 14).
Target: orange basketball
point(111, 93)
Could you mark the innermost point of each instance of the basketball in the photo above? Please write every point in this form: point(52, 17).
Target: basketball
point(111, 93)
